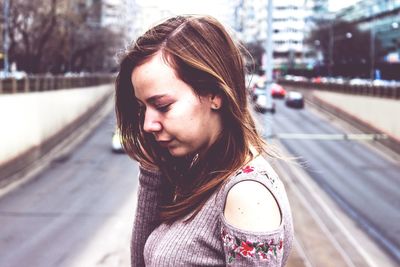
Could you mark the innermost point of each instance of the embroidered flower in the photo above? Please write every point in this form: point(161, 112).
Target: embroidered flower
point(248, 169)
point(246, 249)
point(237, 248)
point(262, 255)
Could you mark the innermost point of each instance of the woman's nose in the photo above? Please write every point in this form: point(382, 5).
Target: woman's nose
point(151, 122)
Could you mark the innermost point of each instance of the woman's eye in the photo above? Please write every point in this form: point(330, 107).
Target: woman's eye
point(163, 108)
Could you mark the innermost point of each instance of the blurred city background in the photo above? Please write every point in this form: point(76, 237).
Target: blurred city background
point(323, 80)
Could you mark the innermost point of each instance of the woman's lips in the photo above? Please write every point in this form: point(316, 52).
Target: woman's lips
point(164, 143)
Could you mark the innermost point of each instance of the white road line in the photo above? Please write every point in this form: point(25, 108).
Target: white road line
point(345, 126)
point(302, 253)
point(330, 214)
point(366, 137)
point(321, 224)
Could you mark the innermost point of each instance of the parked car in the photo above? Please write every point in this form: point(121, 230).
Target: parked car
point(294, 99)
point(277, 91)
point(116, 142)
point(262, 101)
point(18, 75)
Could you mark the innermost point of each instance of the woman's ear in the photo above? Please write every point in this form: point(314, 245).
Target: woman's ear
point(216, 101)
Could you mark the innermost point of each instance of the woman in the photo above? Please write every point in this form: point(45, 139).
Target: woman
point(207, 197)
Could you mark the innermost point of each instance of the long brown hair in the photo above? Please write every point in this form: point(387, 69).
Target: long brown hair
point(205, 57)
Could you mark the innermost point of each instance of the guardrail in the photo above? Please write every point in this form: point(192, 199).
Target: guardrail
point(371, 90)
point(39, 83)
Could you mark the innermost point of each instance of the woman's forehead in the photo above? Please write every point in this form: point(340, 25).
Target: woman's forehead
point(155, 78)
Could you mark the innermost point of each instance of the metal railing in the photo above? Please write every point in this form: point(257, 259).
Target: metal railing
point(39, 83)
point(392, 92)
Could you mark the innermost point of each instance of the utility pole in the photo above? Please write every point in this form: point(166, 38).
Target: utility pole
point(372, 50)
point(6, 36)
point(268, 67)
point(331, 44)
point(269, 64)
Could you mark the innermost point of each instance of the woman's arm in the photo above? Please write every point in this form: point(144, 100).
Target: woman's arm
point(147, 219)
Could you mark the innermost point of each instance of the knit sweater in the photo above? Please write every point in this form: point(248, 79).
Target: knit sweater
point(208, 239)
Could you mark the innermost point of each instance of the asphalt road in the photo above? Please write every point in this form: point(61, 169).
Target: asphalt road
point(55, 218)
point(363, 181)
point(78, 212)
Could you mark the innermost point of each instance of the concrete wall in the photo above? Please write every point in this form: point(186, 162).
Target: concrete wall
point(383, 114)
point(31, 123)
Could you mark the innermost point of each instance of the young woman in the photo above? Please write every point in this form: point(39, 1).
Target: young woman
point(207, 196)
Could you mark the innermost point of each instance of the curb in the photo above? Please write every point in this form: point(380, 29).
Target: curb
point(392, 143)
point(21, 166)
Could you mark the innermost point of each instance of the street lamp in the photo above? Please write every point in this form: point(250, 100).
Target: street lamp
point(6, 36)
point(332, 40)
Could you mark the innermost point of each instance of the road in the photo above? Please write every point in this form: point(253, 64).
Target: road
point(363, 181)
point(78, 212)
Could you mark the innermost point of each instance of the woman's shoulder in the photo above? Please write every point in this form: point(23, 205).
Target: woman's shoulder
point(249, 198)
point(256, 171)
point(253, 216)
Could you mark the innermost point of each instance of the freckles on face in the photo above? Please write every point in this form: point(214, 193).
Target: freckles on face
point(178, 118)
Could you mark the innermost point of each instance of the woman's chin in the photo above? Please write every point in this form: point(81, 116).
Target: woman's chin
point(178, 152)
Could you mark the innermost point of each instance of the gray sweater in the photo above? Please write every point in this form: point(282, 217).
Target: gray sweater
point(209, 240)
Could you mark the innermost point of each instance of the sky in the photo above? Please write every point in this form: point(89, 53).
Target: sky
point(335, 5)
point(216, 8)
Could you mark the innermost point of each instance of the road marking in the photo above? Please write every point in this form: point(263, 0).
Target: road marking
point(329, 213)
point(316, 218)
point(365, 137)
point(302, 253)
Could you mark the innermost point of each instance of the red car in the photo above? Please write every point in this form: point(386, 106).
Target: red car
point(277, 91)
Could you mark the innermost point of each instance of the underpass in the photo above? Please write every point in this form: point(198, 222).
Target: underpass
point(84, 198)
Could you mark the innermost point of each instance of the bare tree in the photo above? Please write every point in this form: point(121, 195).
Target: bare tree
point(59, 35)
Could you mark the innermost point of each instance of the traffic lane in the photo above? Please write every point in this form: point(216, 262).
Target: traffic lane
point(356, 176)
point(50, 219)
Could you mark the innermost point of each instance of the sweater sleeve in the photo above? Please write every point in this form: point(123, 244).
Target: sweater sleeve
point(248, 248)
point(147, 210)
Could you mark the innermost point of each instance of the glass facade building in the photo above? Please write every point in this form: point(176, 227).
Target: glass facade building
point(382, 19)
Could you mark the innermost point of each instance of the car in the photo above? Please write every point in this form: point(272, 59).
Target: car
point(277, 91)
point(18, 75)
point(261, 100)
point(116, 143)
point(294, 99)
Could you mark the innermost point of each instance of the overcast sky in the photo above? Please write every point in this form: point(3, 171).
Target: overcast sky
point(335, 5)
point(216, 8)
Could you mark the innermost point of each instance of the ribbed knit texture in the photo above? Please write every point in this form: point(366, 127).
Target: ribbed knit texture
point(208, 240)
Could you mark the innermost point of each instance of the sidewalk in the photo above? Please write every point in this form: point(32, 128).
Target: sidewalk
point(324, 234)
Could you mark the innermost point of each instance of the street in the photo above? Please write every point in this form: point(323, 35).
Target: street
point(79, 211)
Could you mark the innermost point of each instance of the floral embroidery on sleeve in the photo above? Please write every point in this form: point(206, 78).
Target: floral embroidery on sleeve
point(238, 248)
point(249, 169)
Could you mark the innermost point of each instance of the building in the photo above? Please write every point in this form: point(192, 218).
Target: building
point(289, 17)
point(382, 20)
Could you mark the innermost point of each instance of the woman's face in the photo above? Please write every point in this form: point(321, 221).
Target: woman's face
point(180, 121)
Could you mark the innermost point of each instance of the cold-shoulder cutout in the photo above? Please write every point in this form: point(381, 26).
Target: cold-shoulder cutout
point(251, 206)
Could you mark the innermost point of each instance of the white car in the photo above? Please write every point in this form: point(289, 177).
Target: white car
point(18, 75)
point(116, 142)
point(263, 101)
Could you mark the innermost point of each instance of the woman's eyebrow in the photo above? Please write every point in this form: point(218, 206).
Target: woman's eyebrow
point(154, 98)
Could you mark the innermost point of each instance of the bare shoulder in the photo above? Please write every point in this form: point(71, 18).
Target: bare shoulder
point(251, 206)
